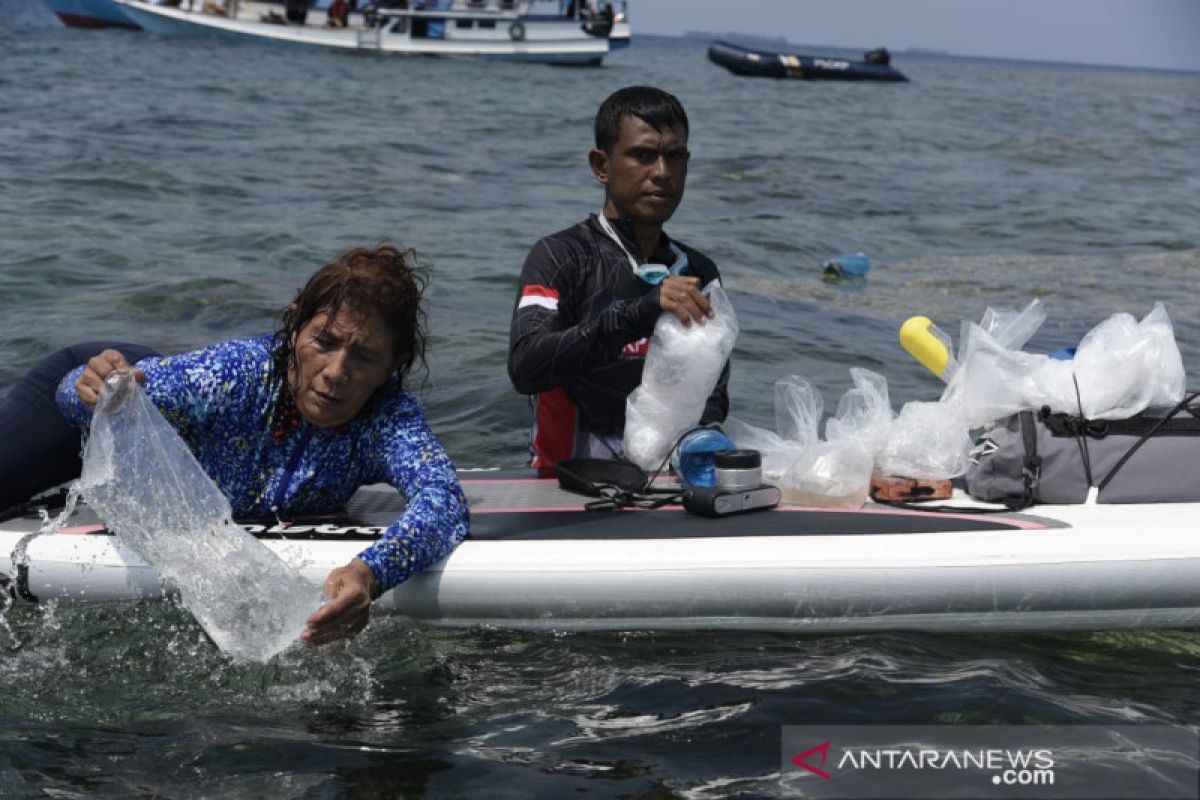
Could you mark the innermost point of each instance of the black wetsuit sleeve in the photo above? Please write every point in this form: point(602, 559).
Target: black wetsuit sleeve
point(557, 330)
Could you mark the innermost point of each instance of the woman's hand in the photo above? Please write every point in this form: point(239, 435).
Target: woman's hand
point(350, 589)
point(98, 369)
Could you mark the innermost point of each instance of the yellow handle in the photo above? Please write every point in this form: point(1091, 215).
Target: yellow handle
point(918, 336)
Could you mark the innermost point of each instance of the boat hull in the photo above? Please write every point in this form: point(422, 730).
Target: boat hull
point(536, 560)
point(765, 64)
point(543, 42)
point(90, 14)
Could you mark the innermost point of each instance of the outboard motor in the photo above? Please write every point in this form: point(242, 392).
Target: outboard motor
point(879, 56)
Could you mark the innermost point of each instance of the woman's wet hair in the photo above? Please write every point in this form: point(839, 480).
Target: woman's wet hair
point(656, 108)
point(382, 280)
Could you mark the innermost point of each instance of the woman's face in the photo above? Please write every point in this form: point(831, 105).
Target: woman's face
point(339, 365)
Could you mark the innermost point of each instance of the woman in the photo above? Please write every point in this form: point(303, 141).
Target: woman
point(296, 422)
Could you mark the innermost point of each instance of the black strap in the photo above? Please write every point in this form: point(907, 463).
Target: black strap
point(1184, 403)
point(1081, 438)
point(1031, 467)
point(615, 498)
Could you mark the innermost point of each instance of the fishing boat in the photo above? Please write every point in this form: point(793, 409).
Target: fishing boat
point(90, 14)
point(544, 31)
point(875, 66)
point(535, 559)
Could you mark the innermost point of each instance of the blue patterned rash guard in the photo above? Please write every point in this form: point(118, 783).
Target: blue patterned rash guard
point(225, 402)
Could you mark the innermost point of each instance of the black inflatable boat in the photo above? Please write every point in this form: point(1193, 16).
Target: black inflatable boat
point(875, 66)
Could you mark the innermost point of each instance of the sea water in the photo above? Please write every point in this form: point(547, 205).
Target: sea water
point(193, 185)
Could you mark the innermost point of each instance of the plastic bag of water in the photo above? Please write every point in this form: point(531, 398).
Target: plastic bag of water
point(836, 473)
point(143, 481)
point(682, 368)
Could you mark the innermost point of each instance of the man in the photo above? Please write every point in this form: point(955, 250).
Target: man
point(591, 294)
point(338, 15)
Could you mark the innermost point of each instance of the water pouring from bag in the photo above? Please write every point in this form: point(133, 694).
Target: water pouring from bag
point(155, 497)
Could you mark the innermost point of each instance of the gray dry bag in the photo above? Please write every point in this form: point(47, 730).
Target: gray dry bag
point(1039, 457)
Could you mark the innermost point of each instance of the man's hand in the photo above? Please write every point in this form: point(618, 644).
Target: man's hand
point(350, 589)
point(98, 368)
point(680, 296)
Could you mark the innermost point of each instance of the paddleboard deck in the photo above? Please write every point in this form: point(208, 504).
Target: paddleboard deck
point(536, 559)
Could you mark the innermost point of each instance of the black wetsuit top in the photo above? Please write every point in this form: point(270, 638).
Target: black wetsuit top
point(580, 330)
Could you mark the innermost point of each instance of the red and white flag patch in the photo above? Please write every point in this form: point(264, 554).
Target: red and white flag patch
point(535, 295)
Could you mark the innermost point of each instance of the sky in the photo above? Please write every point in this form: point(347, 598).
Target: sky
point(1163, 34)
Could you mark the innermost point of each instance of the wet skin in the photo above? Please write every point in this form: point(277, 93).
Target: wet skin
point(339, 365)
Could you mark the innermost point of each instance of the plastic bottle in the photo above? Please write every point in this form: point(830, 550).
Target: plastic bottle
point(693, 458)
point(847, 265)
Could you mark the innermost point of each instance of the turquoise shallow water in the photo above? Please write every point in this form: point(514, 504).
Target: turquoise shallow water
point(177, 192)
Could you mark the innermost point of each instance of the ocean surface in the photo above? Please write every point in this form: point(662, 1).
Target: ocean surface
point(177, 192)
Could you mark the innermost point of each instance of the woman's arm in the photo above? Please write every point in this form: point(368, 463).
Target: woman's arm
point(409, 457)
point(435, 518)
point(187, 388)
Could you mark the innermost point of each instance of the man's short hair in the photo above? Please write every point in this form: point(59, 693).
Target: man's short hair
point(656, 108)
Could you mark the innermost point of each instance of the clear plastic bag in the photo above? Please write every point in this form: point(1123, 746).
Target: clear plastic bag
point(682, 368)
point(1124, 366)
point(798, 407)
point(929, 441)
point(993, 382)
point(143, 481)
point(837, 472)
point(798, 410)
point(1012, 330)
point(649, 423)
point(864, 412)
point(830, 475)
point(1120, 368)
point(778, 454)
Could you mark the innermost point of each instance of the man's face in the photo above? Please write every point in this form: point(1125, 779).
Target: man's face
point(646, 171)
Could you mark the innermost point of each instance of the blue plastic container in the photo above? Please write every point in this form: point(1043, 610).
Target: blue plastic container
point(847, 265)
point(693, 458)
point(1064, 354)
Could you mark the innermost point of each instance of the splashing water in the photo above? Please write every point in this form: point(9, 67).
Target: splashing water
point(143, 481)
point(6, 603)
point(55, 524)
